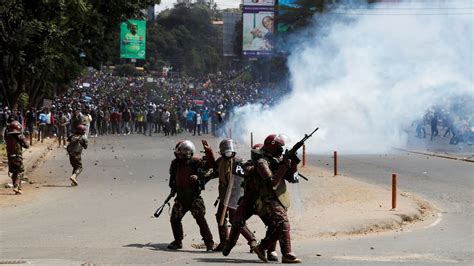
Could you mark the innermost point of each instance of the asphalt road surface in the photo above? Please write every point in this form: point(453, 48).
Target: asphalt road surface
point(447, 184)
point(108, 217)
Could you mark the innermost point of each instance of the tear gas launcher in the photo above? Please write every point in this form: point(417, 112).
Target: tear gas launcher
point(167, 200)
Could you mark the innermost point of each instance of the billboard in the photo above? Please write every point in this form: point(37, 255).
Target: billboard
point(283, 27)
point(259, 2)
point(133, 39)
point(257, 32)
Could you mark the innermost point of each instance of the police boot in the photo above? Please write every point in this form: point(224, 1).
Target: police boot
point(175, 245)
point(260, 253)
point(17, 190)
point(177, 228)
point(73, 180)
point(223, 234)
point(290, 258)
point(285, 245)
point(231, 240)
point(209, 245)
point(251, 240)
point(272, 255)
point(16, 180)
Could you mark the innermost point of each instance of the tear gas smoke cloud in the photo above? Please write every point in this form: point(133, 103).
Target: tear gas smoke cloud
point(363, 79)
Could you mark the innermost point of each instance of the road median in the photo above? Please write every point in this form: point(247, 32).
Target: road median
point(332, 206)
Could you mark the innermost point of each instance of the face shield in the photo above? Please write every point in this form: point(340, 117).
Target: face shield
point(229, 154)
point(275, 144)
point(226, 148)
point(186, 149)
point(282, 138)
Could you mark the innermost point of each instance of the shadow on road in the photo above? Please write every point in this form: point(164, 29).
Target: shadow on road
point(226, 260)
point(157, 246)
point(162, 247)
point(56, 186)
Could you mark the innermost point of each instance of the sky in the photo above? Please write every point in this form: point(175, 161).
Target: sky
point(222, 4)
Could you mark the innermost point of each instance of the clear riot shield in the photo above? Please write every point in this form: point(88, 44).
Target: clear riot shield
point(236, 188)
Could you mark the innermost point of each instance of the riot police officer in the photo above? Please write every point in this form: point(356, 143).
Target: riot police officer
point(77, 142)
point(15, 142)
point(224, 168)
point(185, 182)
point(271, 172)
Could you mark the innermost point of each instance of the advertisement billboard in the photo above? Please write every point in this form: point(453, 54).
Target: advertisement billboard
point(283, 27)
point(259, 2)
point(258, 27)
point(133, 39)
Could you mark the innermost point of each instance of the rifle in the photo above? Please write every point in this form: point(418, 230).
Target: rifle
point(160, 209)
point(291, 154)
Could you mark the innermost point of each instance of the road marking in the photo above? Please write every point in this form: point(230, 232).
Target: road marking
point(436, 222)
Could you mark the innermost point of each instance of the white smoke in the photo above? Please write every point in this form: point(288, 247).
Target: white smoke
point(363, 79)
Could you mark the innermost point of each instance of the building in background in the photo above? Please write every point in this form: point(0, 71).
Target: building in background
point(230, 20)
point(151, 13)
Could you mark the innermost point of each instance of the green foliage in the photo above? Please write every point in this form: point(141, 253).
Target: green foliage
point(45, 44)
point(23, 101)
point(126, 71)
point(185, 38)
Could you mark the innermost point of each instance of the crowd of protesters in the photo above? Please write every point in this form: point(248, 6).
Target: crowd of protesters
point(452, 118)
point(108, 104)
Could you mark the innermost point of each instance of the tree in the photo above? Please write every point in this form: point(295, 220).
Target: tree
point(45, 44)
point(185, 38)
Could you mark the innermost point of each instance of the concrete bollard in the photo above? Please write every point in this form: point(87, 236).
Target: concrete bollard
point(394, 192)
point(335, 163)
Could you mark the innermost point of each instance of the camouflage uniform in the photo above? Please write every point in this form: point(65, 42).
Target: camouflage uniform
point(15, 144)
point(271, 174)
point(223, 166)
point(77, 142)
point(249, 204)
point(188, 197)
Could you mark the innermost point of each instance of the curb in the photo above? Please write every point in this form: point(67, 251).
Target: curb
point(31, 165)
point(30, 162)
point(445, 156)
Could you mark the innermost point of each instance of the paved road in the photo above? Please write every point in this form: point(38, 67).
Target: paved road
point(446, 183)
point(438, 144)
point(107, 219)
